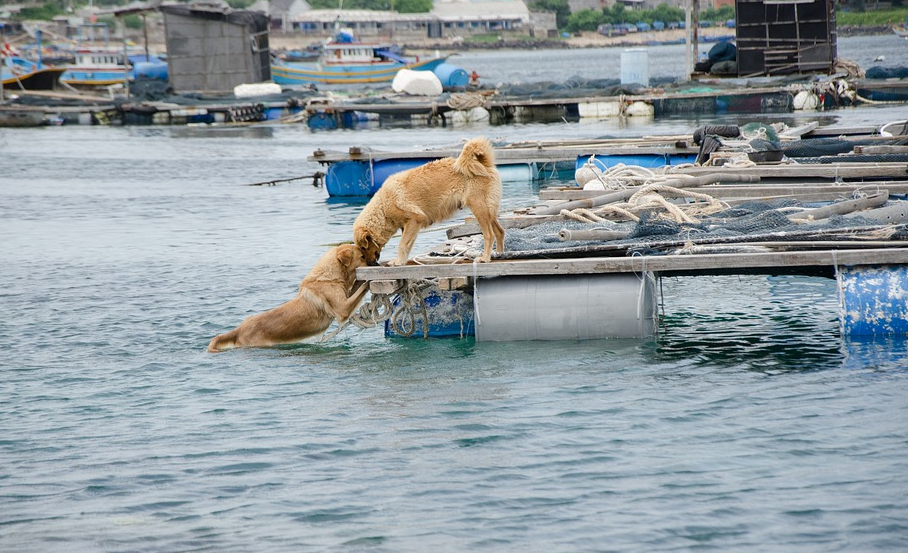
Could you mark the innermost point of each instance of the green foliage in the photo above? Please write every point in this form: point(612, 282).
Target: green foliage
point(871, 19)
point(413, 6)
point(618, 14)
point(132, 21)
point(666, 13)
point(585, 20)
point(240, 4)
point(560, 7)
point(401, 6)
point(717, 14)
point(46, 12)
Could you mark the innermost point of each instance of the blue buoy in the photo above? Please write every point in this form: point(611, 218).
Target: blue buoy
point(873, 300)
point(349, 178)
point(451, 76)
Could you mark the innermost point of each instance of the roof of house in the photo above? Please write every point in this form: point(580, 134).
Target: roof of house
point(464, 10)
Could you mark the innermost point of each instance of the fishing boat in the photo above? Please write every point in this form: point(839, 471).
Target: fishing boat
point(99, 67)
point(96, 67)
point(902, 29)
point(344, 60)
point(18, 73)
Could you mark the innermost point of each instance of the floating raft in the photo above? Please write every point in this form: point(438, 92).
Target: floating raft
point(325, 112)
point(565, 278)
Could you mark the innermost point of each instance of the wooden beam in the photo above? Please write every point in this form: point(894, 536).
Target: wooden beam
point(756, 191)
point(665, 264)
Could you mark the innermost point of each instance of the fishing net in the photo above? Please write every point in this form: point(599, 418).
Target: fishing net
point(817, 147)
point(746, 224)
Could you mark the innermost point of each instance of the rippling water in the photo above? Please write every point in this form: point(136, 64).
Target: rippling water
point(747, 424)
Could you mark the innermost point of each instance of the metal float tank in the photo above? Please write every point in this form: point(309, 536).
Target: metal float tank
point(577, 307)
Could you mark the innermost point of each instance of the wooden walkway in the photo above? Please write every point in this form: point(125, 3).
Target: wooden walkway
point(822, 261)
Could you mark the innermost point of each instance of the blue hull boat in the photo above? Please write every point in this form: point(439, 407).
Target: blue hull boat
point(347, 61)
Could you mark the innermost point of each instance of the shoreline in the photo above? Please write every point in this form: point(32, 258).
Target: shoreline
point(586, 39)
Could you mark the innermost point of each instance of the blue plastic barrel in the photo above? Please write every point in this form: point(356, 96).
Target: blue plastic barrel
point(451, 76)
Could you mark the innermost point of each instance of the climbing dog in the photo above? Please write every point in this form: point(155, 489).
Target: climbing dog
point(417, 198)
point(324, 295)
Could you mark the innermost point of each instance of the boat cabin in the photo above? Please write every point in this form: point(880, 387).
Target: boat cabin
point(349, 53)
point(98, 58)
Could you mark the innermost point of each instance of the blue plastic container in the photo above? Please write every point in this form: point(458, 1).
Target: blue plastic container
point(451, 76)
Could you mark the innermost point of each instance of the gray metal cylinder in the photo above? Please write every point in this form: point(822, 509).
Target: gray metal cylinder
point(569, 307)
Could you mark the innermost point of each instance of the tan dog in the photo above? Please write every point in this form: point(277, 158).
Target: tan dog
point(415, 199)
point(324, 295)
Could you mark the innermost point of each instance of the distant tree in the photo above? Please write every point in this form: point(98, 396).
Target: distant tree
point(561, 8)
point(45, 12)
point(585, 20)
point(666, 13)
point(413, 6)
point(718, 14)
point(323, 4)
point(240, 4)
point(617, 14)
point(132, 21)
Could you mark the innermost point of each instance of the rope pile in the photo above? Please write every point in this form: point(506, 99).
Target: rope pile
point(649, 198)
point(464, 102)
point(380, 308)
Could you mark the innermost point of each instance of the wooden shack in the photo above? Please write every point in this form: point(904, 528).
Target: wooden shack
point(213, 49)
point(778, 37)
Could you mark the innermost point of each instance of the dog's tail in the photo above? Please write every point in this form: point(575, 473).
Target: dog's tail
point(477, 159)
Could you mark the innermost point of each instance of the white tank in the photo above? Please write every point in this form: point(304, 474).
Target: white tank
point(573, 307)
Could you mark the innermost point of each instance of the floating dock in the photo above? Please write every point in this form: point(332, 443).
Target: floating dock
point(586, 264)
point(330, 111)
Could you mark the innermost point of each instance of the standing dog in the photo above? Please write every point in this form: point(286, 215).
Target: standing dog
point(324, 295)
point(417, 198)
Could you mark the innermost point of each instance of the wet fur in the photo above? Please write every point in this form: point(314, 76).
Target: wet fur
point(324, 295)
point(417, 198)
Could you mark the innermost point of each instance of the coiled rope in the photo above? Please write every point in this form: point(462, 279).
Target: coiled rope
point(380, 308)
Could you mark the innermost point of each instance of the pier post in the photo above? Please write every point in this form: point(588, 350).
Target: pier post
point(873, 300)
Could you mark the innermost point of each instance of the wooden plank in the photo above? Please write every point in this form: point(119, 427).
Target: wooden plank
point(502, 155)
point(876, 150)
point(798, 132)
point(755, 191)
point(811, 170)
point(665, 264)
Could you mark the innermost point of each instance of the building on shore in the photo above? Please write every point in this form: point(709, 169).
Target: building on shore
point(449, 19)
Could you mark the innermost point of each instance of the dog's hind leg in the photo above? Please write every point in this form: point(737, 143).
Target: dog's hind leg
point(492, 231)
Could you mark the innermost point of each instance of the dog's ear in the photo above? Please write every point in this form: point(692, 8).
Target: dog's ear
point(345, 256)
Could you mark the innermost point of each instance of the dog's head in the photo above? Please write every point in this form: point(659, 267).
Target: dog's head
point(369, 246)
point(351, 257)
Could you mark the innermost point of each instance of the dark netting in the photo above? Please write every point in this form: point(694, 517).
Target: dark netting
point(578, 87)
point(651, 224)
point(751, 222)
point(857, 158)
point(816, 147)
point(877, 72)
point(763, 221)
point(748, 208)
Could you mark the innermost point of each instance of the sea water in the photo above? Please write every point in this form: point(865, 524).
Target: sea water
point(749, 423)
